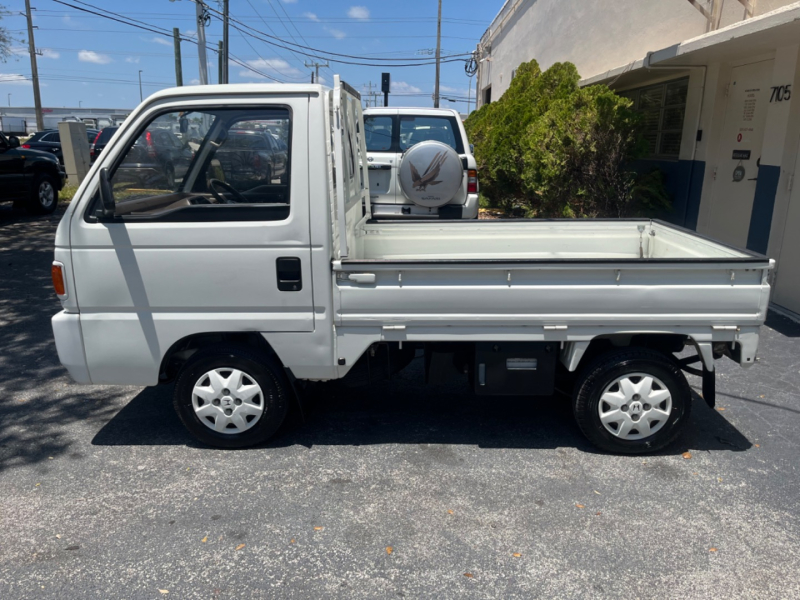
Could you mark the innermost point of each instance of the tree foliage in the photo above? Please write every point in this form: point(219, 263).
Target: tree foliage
point(5, 38)
point(559, 150)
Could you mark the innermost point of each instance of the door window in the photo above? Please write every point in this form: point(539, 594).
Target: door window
point(379, 133)
point(220, 163)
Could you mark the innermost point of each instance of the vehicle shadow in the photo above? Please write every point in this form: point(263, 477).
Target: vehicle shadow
point(783, 325)
point(404, 411)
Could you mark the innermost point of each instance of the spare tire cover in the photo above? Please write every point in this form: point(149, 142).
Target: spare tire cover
point(430, 174)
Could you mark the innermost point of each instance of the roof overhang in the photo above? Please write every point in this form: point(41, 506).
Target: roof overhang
point(752, 37)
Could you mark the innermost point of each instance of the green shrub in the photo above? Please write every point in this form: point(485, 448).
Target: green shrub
point(555, 149)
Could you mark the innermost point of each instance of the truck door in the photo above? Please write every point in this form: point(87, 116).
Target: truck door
point(220, 250)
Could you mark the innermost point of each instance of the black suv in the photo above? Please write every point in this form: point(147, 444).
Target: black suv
point(29, 178)
point(101, 140)
point(50, 141)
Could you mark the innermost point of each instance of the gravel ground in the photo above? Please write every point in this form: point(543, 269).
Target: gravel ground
point(393, 490)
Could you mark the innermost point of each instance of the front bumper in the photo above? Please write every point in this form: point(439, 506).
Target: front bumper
point(69, 345)
point(62, 176)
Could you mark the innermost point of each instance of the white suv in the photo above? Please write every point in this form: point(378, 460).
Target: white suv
point(391, 134)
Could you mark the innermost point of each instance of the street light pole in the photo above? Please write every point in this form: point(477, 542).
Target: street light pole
point(140, 85)
point(80, 103)
point(438, 56)
point(9, 99)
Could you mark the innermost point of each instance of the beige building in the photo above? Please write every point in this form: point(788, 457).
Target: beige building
point(714, 79)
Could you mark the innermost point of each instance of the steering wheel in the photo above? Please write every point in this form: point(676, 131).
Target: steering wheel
point(239, 198)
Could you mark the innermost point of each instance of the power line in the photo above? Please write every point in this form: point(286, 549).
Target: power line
point(296, 57)
point(317, 53)
point(155, 29)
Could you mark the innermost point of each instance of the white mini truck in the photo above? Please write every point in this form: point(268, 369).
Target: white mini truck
point(240, 282)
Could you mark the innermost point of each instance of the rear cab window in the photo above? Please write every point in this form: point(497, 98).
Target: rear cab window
point(195, 166)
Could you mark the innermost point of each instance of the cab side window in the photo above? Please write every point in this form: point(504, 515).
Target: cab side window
point(208, 165)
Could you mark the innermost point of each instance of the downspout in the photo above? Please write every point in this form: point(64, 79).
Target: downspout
point(649, 66)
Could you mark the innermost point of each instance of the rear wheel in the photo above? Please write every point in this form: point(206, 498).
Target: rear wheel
point(632, 401)
point(231, 397)
point(44, 195)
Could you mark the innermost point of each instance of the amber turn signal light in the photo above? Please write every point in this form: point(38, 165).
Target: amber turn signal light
point(57, 272)
point(472, 181)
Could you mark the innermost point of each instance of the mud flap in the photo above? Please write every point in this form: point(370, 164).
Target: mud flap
point(709, 387)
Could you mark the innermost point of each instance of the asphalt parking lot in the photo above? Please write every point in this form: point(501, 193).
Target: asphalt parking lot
point(390, 491)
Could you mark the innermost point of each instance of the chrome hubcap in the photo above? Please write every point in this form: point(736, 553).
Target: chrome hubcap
point(635, 406)
point(228, 400)
point(46, 194)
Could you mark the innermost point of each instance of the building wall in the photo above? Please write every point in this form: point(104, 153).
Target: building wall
point(595, 35)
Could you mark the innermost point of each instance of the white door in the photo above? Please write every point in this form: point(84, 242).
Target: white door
point(740, 153)
point(787, 281)
point(219, 244)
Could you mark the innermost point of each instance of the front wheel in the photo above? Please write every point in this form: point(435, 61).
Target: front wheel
point(231, 397)
point(632, 401)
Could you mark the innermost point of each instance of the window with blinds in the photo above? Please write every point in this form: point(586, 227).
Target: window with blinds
point(663, 107)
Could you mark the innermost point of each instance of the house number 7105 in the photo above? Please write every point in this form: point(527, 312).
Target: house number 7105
point(781, 93)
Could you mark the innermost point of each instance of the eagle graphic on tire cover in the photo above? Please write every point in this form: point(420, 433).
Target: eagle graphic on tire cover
point(422, 182)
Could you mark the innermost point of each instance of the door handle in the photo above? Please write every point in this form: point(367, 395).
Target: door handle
point(290, 274)
point(362, 277)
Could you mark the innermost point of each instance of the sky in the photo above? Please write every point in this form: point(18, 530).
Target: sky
point(90, 61)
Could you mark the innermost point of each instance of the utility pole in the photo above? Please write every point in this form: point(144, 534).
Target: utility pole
point(140, 85)
point(37, 99)
point(369, 91)
point(201, 41)
point(224, 77)
point(438, 56)
point(220, 63)
point(176, 38)
point(316, 66)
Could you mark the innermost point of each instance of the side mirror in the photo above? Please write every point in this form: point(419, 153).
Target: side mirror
point(13, 141)
point(106, 196)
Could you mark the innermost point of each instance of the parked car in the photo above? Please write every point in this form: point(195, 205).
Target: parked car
point(250, 158)
point(100, 140)
point(158, 159)
point(240, 299)
point(50, 141)
point(29, 178)
point(451, 190)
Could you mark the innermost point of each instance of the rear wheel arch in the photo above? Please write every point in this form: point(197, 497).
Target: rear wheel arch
point(576, 355)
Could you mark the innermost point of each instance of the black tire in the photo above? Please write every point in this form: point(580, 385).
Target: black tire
point(608, 368)
point(258, 366)
point(43, 199)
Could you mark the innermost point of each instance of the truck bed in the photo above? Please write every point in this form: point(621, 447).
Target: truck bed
point(581, 278)
point(541, 240)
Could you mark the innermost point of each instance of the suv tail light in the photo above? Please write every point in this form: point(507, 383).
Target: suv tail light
point(91, 148)
point(472, 181)
point(26, 146)
point(151, 149)
point(57, 273)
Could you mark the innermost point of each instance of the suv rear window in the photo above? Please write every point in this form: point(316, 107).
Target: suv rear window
point(106, 135)
point(384, 135)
